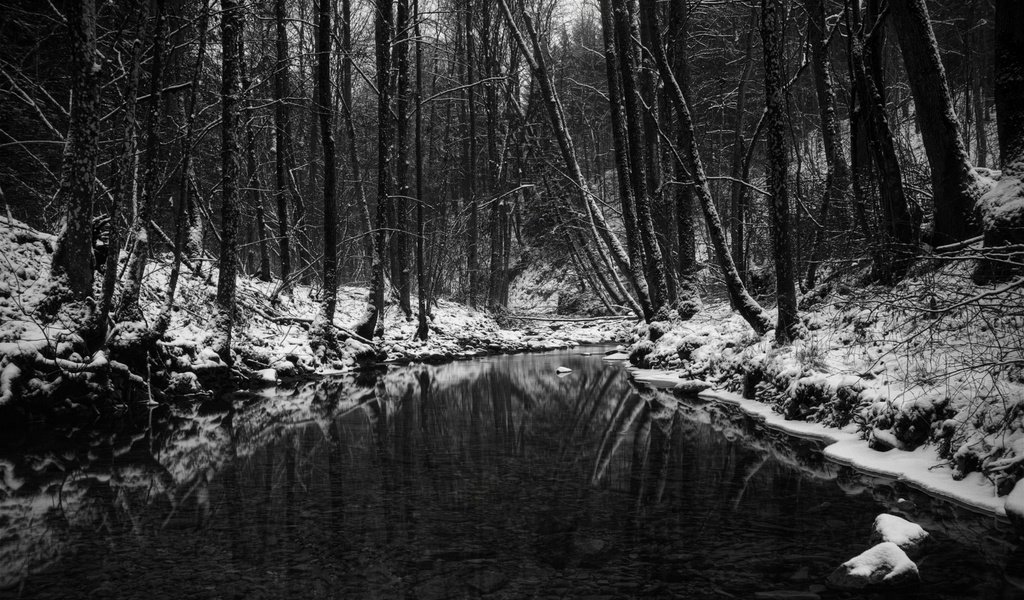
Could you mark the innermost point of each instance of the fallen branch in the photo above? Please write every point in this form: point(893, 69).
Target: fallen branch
point(309, 321)
point(574, 319)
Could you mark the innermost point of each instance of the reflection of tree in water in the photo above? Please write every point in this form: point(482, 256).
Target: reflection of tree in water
point(341, 485)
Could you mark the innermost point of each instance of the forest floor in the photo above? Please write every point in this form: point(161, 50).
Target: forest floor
point(271, 336)
point(923, 381)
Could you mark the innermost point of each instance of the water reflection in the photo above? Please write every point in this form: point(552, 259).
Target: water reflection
point(489, 477)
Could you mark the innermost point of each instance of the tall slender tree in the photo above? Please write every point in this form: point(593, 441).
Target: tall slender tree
point(282, 138)
point(323, 324)
point(231, 131)
point(788, 325)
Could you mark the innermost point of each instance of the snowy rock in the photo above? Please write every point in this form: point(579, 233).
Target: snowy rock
point(691, 386)
point(890, 528)
point(563, 370)
point(884, 565)
point(266, 376)
point(1015, 505)
point(285, 368)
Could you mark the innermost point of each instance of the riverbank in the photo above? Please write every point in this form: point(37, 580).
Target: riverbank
point(923, 381)
point(44, 356)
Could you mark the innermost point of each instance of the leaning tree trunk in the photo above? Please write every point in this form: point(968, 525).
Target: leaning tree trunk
point(954, 184)
point(626, 31)
point(788, 326)
point(748, 308)
point(899, 232)
point(231, 129)
point(556, 116)
point(73, 260)
point(1002, 208)
point(322, 331)
point(837, 173)
point(623, 166)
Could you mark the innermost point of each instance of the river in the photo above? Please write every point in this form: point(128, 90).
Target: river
point(494, 477)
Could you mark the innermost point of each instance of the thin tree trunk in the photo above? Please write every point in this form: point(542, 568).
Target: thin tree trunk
point(740, 195)
point(129, 309)
point(788, 326)
point(231, 29)
point(373, 323)
point(686, 227)
point(183, 224)
point(124, 172)
point(626, 30)
point(899, 231)
point(282, 139)
point(322, 331)
point(404, 171)
point(422, 330)
point(837, 173)
point(556, 115)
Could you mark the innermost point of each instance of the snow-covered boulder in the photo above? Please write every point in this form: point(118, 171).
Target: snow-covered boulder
point(691, 386)
point(884, 565)
point(890, 528)
point(183, 383)
point(266, 376)
point(563, 370)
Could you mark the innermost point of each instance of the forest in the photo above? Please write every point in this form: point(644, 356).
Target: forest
point(259, 218)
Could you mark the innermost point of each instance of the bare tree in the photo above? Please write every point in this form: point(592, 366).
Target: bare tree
point(73, 260)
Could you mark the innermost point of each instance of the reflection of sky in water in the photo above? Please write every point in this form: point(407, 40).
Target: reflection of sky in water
point(485, 476)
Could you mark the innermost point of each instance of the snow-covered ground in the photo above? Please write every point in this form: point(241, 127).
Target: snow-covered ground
point(922, 382)
point(271, 336)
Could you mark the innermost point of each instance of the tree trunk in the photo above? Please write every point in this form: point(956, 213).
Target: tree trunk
point(404, 170)
point(72, 259)
point(740, 195)
point(686, 227)
point(748, 308)
point(556, 116)
point(899, 233)
point(184, 202)
point(422, 330)
point(373, 323)
point(282, 139)
point(626, 31)
point(129, 309)
point(837, 173)
point(231, 129)
point(623, 165)
point(954, 184)
point(788, 326)
point(322, 331)
point(1002, 208)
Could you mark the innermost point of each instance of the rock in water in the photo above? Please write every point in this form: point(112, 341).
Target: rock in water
point(884, 565)
point(563, 370)
point(267, 376)
point(890, 528)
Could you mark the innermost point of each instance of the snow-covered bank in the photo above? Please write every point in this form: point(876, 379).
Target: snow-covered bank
point(922, 383)
point(41, 352)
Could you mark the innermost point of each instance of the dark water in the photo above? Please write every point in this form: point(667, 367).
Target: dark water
point(491, 478)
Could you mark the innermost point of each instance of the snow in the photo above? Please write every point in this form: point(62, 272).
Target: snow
point(891, 528)
point(563, 370)
point(1014, 505)
point(882, 564)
